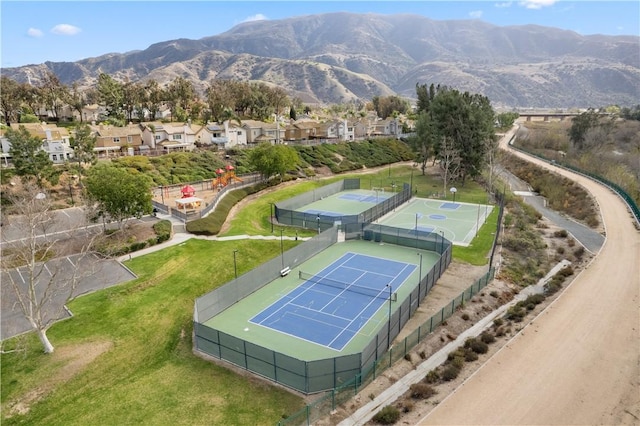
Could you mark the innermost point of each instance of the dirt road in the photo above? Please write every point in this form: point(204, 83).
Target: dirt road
point(579, 361)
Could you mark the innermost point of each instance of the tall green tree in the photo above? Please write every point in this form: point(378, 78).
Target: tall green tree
point(30, 161)
point(54, 92)
point(111, 95)
point(121, 193)
point(462, 121)
point(9, 99)
point(424, 141)
point(180, 95)
point(580, 126)
point(83, 144)
point(271, 160)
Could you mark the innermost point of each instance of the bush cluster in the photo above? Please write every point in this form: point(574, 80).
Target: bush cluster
point(387, 416)
point(422, 391)
point(558, 279)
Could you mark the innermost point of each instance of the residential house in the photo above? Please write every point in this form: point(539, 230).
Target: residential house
point(116, 141)
point(226, 135)
point(346, 131)
point(301, 130)
point(258, 132)
point(55, 140)
point(167, 137)
point(361, 129)
point(91, 113)
point(389, 126)
point(328, 130)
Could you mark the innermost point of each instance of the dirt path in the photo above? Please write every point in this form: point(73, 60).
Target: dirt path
point(579, 361)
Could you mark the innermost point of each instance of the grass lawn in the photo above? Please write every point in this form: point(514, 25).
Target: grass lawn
point(147, 373)
point(254, 218)
point(126, 355)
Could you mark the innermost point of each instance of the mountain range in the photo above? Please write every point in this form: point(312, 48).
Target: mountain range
point(341, 57)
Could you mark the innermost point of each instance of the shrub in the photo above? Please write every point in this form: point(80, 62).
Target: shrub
point(579, 252)
point(162, 229)
point(515, 313)
point(487, 337)
point(407, 405)
point(498, 322)
point(407, 357)
point(562, 233)
point(450, 372)
point(421, 391)
point(477, 346)
point(432, 377)
point(423, 354)
point(470, 356)
point(494, 294)
point(458, 361)
point(387, 416)
point(465, 316)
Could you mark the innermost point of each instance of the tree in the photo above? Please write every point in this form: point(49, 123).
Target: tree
point(83, 144)
point(449, 162)
point(423, 142)
point(180, 94)
point(77, 100)
point(120, 193)
point(30, 161)
point(505, 120)
point(111, 94)
point(271, 160)
point(46, 285)
point(588, 122)
point(55, 93)
point(468, 120)
point(9, 99)
point(152, 98)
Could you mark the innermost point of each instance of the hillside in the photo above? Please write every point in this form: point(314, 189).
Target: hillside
point(336, 57)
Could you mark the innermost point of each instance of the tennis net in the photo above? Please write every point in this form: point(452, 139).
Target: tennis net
point(367, 291)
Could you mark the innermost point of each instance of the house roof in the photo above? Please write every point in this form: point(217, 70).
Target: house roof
point(113, 131)
point(39, 130)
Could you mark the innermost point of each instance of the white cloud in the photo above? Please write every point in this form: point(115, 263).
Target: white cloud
point(257, 17)
point(65, 29)
point(476, 14)
point(504, 4)
point(34, 32)
point(537, 4)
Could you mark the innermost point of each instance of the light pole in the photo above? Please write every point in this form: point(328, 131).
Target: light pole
point(416, 230)
point(271, 215)
point(420, 279)
point(411, 184)
point(389, 326)
point(281, 249)
point(235, 265)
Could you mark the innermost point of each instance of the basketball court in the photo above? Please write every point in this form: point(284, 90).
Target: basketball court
point(457, 222)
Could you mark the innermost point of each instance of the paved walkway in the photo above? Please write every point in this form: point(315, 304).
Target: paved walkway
point(181, 236)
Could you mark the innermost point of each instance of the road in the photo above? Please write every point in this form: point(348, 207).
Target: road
point(578, 362)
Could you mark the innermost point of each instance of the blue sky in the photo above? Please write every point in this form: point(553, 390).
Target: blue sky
point(37, 31)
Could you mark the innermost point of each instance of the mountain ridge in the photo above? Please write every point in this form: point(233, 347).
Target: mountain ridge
point(337, 57)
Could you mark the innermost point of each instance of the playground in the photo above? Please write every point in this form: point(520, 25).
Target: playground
point(192, 197)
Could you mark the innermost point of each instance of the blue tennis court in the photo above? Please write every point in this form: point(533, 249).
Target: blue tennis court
point(329, 308)
point(375, 199)
point(324, 213)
